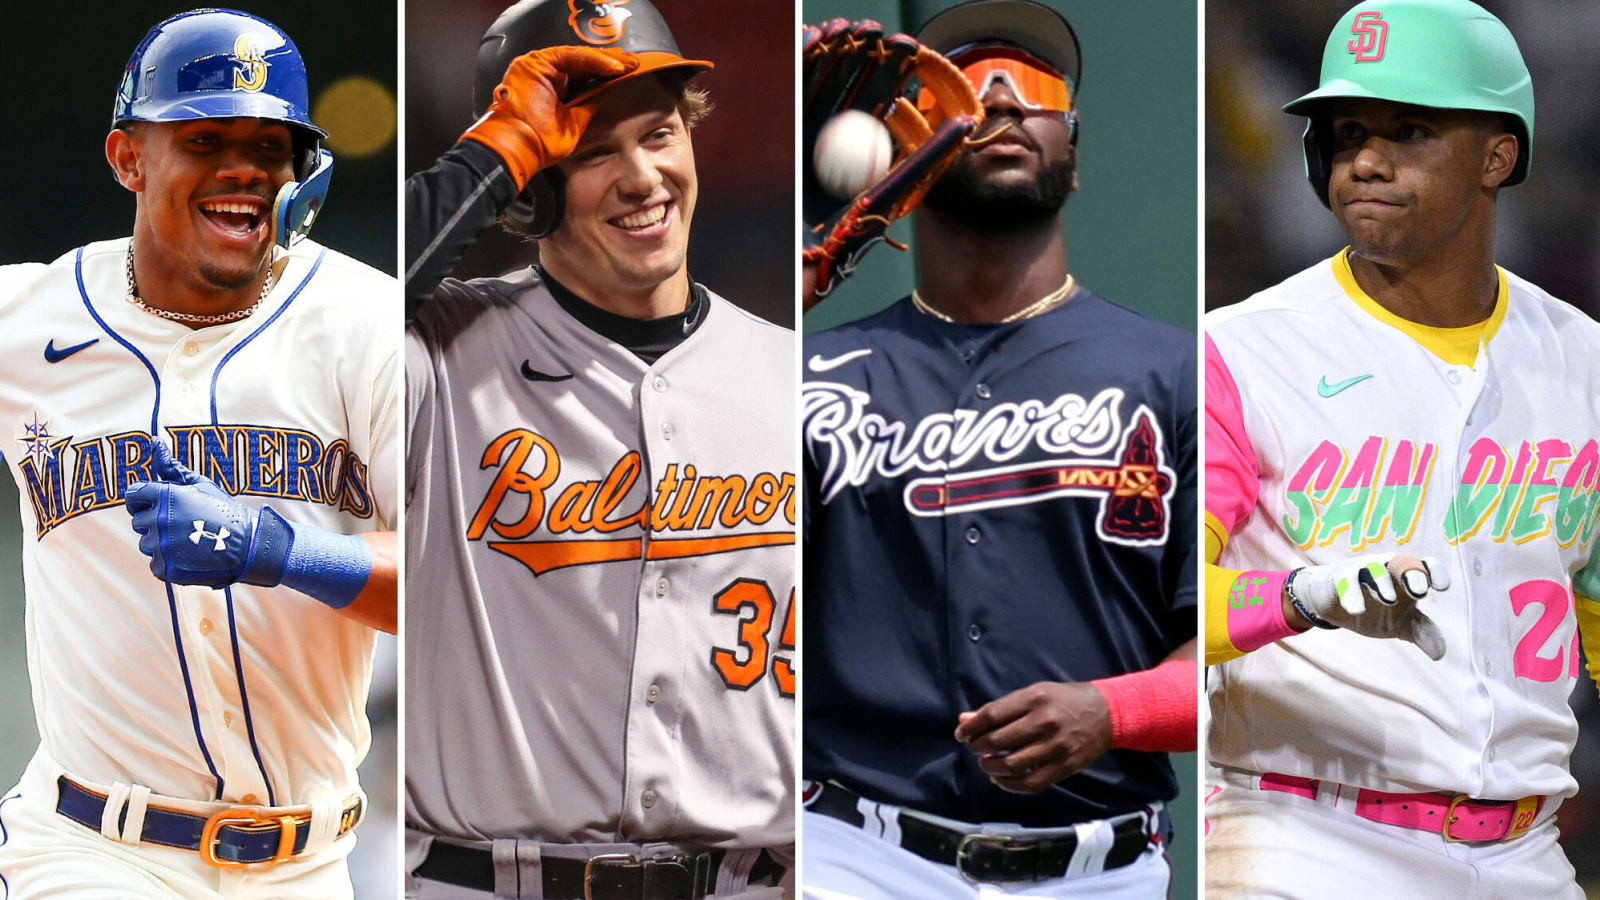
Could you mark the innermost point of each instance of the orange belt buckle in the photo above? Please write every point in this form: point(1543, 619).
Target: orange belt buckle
point(249, 818)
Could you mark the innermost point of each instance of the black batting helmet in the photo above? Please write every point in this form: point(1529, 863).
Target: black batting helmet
point(633, 26)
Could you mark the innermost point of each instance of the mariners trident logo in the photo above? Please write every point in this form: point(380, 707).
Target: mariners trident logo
point(200, 533)
point(598, 23)
point(249, 63)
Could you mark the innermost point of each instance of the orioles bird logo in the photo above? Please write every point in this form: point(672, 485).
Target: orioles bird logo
point(250, 63)
point(598, 23)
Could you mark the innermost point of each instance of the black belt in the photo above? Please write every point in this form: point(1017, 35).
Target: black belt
point(609, 876)
point(237, 836)
point(984, 857)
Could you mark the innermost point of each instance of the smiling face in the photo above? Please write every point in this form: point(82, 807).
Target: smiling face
point(205, 190)
point(1021, 176)
point(1408, 180)
point(630, 196)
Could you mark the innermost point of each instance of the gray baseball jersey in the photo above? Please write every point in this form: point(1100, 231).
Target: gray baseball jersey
point(600, 576)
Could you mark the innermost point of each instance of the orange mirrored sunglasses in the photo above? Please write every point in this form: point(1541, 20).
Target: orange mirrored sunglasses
point(1036, 85)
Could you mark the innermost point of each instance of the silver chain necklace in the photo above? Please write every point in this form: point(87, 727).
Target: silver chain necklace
point(196, 318)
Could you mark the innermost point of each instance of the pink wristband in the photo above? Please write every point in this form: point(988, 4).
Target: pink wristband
point(1154, 710)
point(1255, 610)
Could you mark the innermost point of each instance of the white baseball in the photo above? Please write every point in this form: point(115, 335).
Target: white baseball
point(853, 151)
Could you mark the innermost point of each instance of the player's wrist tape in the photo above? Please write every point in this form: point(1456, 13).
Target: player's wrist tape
point(1300, 607)
point(1255, 610)
point(1154, 710)
point(330, 567)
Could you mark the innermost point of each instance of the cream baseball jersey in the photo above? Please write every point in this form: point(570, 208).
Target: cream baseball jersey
point(600, 576)
point(245, 694)
point(1333, 432)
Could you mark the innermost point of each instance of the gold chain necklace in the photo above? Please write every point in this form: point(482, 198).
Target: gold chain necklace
point(1027, 312)
point(195, 318)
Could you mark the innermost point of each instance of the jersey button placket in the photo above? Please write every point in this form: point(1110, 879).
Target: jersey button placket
point(213, 680)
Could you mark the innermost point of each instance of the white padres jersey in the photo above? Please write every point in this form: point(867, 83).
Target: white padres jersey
point(1365, 442)
point(600, 577)
point(247, 694)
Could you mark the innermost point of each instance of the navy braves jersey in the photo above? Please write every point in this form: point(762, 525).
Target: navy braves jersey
point(988, 507)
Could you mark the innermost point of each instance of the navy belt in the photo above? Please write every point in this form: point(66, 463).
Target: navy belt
point(237, 836)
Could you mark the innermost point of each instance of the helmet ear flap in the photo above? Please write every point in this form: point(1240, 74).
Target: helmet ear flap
point(537, 210)
point(305, 147)
point(1318, 141)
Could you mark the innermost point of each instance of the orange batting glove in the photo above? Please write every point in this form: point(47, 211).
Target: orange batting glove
point(527, 122)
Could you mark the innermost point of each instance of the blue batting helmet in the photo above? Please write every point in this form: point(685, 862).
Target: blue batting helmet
point(212, 64)
point(223, 64)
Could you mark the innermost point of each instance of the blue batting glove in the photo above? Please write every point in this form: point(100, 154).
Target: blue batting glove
point(194, 533)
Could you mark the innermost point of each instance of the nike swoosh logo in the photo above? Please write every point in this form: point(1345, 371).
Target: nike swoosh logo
point(1324, 389)
point(532, 374)
point(52, 355)
point(818, 364)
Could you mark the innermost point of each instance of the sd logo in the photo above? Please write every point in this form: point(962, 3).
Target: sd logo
point(1371, 34)
point(598, 23)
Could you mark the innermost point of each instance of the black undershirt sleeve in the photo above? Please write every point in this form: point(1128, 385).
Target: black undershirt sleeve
point(447, 207)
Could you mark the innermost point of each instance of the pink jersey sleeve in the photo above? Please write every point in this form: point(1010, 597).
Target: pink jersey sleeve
point(1244, 609)
point(1231, 475)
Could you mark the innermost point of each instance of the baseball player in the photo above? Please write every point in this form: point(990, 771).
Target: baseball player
point(601, 491)
point(1401, 458)
point(1000, 486)
point(219, 380)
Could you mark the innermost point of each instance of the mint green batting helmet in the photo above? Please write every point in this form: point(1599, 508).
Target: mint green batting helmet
point(1448, 54)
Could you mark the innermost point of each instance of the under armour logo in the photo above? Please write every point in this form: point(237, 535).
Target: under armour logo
point(220, 535)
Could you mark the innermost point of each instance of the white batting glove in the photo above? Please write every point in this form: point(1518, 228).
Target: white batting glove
point(1375, 596)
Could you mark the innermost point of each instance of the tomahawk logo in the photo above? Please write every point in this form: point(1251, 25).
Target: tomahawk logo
point(220, 535)
point(1133, 487)
point(1371, 34)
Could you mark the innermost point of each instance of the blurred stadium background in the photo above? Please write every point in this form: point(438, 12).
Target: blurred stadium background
point(1264, 223)
point(61, 76)
point(743, 236)
point(1131, 229)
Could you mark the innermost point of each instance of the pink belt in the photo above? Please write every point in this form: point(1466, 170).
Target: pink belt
point(1458, 819)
